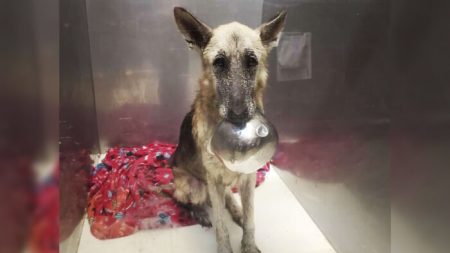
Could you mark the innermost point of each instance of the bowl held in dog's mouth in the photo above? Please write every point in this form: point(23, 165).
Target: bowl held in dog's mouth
point(245, 148)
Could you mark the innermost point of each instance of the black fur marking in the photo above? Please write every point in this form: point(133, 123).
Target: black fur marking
point(186, 144)
point(250, 59)
point(221, 63)
point(187, 154)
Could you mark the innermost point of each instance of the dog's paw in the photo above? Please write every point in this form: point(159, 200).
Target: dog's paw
point(249, 248)
point(204, 221)
point(201, 216)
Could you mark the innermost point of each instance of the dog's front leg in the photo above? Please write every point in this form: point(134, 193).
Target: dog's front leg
point(247, 189)
point(216, 190)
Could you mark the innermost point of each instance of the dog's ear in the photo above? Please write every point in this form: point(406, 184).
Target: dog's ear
point(270, 32)
point(194, 31)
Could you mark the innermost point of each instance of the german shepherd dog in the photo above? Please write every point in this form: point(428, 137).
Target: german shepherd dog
point(230, 88)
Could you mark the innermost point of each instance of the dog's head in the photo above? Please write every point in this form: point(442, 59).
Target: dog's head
point(234, 58)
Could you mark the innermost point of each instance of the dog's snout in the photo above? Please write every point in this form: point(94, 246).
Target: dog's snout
point(238, 97)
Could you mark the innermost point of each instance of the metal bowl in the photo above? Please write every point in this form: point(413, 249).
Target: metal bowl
point(246, 148)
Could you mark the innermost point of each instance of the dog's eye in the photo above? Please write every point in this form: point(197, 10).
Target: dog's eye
point(220, 62)
point(251, 61)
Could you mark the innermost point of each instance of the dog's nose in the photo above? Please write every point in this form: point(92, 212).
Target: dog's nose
point(238, 107)
point(238, 116)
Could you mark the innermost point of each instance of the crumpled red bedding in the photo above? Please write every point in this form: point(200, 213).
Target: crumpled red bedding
point(131, 190)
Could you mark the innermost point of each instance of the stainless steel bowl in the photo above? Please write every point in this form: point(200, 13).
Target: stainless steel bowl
point(246, 148)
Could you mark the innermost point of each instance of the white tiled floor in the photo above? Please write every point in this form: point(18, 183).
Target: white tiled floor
point(282, 226)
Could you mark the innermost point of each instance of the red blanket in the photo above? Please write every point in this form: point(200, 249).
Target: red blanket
point(132, 188)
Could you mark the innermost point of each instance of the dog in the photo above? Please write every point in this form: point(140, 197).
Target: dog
point(231, 88)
